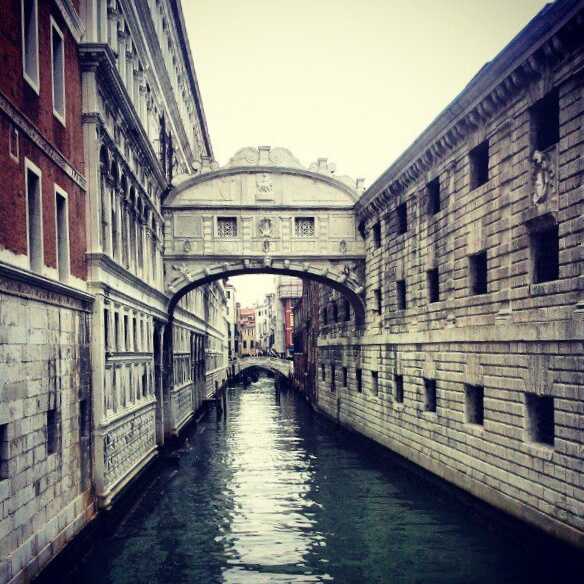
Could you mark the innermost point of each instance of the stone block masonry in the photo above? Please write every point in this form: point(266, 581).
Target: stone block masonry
point(471, 362)
point(45, 454)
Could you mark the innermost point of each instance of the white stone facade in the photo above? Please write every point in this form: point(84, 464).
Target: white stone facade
point(470, 363)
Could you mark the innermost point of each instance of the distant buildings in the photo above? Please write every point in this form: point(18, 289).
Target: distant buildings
point(247, 332)
point(288, 291)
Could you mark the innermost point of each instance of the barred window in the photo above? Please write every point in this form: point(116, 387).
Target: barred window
point(304, 227)
point(226, 227)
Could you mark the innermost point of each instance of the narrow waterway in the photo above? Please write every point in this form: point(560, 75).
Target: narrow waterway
point(271, 492)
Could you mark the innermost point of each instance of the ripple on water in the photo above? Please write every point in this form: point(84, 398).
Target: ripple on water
point(272, 494)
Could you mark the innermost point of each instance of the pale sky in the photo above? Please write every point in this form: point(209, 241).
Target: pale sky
point(354, 81)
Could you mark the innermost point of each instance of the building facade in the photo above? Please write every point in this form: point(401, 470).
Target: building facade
point(248, 345)
point(288, 291)
point(45, 310)
point(470, 363)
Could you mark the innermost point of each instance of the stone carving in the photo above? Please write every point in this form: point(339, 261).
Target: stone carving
point(187, 247)
point(265, 228)
point(543, 175)
point(264, 183)
point(343, 247)
point(266, 246)
point(125, 445)
point(182, 274)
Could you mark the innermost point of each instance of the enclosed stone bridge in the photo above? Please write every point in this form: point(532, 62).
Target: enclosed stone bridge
point(274, 364)
point(264, 213)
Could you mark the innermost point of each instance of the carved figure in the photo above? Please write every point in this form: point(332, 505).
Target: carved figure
point(343, 246)
point(187, 246)
point(266, 245)
point(183, 274)
point(543, 175)
point(265, 228)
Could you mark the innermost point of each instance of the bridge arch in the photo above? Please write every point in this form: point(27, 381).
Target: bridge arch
point(340, 279)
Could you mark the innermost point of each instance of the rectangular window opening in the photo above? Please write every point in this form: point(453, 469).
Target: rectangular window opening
point(4, 452)
point(322, 372)
point(62, 222)
point(401, 295)
point(30, 43)
point(377, 300)
point(35, 221)
point(304, 227)
point(402, 218)
point(540, 418)
point(399, 388)
point(429, 395)
point(126, 333)
point(345, 377)
point(375, 382)
point(433, 283)
point(377, 235)
point(58, 71)
point(474, 397)
point(545, 121)
point(333, 387)
point(226, 227)
point(52, 431)
point(545, 253)
point(359, 379)
point(84, 420)
point(477, 265)
point(433, 191)
point(479, 165)
point(106, 324)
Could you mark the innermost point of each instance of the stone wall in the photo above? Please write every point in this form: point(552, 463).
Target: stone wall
point(45, 425)
point(470, 363)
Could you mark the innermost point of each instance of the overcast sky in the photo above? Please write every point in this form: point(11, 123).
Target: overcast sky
point(354, 81)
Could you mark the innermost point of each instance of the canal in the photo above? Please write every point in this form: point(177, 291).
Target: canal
point(272, 492)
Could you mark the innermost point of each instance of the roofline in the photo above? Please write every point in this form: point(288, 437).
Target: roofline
point(539, 29)
point(181, 28)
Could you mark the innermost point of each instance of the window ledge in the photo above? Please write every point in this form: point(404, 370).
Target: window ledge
point(540, 450)
point(551, 287)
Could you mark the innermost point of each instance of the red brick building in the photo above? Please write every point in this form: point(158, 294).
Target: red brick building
point(41, 142)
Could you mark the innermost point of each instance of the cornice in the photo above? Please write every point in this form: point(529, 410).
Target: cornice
point(38, 281)
point(112, 267)
point(30, 131)
point(544, 41)
point(143, 22)
point(99, 57)
point(97, 118)
point(71, 18)
point(180, 22)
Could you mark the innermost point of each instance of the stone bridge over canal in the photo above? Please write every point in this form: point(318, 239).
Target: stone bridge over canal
point(264, 213)
point(274, 364)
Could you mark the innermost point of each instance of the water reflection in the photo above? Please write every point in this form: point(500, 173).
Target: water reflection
point(271, 493)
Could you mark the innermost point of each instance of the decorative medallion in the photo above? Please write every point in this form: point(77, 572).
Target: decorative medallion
point(543, 175)
point(187, 247)
point(343, 246)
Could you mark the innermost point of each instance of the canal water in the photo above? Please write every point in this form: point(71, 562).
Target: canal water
point(272, 492)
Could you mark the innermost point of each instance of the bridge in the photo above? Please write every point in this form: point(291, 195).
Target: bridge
point(282, 366)
point(264, 212)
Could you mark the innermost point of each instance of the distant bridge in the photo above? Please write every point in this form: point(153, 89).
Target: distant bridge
point(281, 366)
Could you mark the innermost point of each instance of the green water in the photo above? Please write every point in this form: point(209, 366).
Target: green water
point(273, 493)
